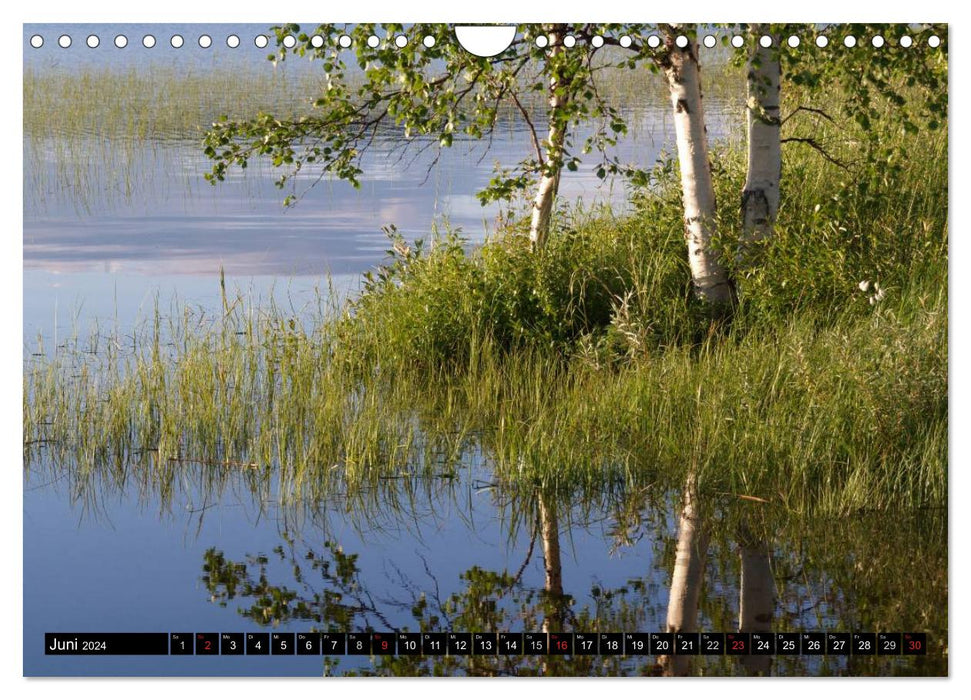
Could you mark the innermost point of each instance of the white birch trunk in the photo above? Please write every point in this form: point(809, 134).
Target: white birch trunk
point(760, 198)
point(756, 603)
point(711, 282)
point(688, 576)
point(549, 182)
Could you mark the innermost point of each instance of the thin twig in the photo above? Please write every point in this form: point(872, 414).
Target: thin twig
point(815, 145)
point(811, 110)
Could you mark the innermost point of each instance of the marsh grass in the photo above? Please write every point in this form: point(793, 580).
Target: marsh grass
point(832, 419)
point(161, 104)
point(587, 367)
point(99, 136)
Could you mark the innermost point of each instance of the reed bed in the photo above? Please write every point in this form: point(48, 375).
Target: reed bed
point(588, 367)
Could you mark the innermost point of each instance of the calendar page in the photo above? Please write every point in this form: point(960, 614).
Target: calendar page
point(508, 349)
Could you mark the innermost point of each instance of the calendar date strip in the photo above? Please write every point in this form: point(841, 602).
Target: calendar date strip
point(486, 643)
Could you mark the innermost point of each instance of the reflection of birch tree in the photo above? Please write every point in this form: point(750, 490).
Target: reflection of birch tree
point(550, 531)
point(756, 600)
point(329, 592)
point(689, 571)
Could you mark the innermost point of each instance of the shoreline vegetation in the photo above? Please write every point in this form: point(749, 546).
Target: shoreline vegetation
point(586, 365)
point(164, 103)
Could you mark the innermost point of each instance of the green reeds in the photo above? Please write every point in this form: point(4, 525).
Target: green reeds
point(587, 367)
point(830, 418)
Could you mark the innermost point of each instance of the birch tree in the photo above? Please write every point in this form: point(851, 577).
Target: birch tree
point(683, 72)
point(760, 197)
point(869, 62)
point(549, 183)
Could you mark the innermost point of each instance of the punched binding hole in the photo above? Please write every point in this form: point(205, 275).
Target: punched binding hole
point(489, 41)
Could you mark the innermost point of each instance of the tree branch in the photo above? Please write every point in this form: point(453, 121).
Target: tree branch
point(811, 110)
point(532, 129)
point(815, 145)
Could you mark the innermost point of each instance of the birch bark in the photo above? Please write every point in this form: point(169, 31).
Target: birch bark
point(760, 197)
point(711, 281)
point(549, 182)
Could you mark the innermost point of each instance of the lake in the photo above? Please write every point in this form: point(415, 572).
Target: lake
point(116, 221)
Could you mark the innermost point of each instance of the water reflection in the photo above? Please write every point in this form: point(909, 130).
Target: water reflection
point(451, 549)
point(687, 576)
point(723, 553)
point(756, 598)
point(431, 538)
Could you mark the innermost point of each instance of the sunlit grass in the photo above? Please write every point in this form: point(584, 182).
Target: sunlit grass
point(851, 415)
point(588, 367)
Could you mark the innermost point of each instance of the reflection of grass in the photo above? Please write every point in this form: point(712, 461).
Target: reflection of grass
point(840, 575)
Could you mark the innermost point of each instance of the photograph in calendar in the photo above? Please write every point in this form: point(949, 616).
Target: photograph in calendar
point(533, 350)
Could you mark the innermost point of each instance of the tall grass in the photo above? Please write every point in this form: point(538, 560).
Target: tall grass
point(98, 135)
point(587, 366)
point(831, 418)
point(160, 104)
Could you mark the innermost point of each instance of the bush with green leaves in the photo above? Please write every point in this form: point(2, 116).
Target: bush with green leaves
point(854, 228)
point(611, 286)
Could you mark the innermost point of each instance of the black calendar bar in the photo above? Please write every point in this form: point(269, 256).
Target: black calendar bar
point(486, 643)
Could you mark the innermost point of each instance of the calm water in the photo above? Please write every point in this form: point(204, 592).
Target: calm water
point(127, 551)
point(153, 555)
point(111, 224)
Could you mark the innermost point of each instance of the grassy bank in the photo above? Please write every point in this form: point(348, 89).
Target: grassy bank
point(589, 366)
